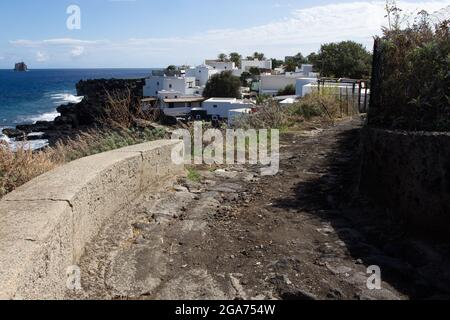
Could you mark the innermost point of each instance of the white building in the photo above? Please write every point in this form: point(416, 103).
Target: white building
point(221, 65)
point(221, 107)
point(306, 71)
point(260, 64)
point(300, 86)
point(159, 86)
point(271, 84)
point(202, 74)
point(179, 106)
point(176, 95)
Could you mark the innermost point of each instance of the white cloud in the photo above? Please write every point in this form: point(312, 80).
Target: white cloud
point(56, 42)
point(303, 30)
point(41, 56)
point(77, 51)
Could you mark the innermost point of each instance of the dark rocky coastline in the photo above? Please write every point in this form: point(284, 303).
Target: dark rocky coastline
point(78, 117)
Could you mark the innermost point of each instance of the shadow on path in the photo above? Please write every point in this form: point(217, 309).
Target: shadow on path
point(414, 267)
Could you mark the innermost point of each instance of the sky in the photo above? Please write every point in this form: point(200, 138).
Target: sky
point(150, 33)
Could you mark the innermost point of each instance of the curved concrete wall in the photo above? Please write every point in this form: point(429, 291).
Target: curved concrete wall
point(45, 224)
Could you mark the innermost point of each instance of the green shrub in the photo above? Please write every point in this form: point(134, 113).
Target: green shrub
point(411, 83)
point(289, 90)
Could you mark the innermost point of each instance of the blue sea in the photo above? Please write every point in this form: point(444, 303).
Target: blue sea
point(27, 97)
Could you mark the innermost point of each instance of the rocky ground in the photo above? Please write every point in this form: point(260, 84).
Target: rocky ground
point(303, 234)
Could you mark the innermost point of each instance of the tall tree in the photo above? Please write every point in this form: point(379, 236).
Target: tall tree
point(171, 70)
point(257, 55)
point(290, 66)
point(223, 85)
point(346, 59)
point(254, 71)
point(298, 60)
point(276, 63)
point(312, 58)
point(245, 76)
point(222, 57)
point(236, 58)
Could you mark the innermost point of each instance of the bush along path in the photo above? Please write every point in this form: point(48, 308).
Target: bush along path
point(232, 234)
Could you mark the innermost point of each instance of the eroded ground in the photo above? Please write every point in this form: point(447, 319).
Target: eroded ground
point(303, 234)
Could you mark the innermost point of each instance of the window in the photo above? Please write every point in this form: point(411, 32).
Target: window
point(215, 106)
point(176, 97)
point(157, 83)
point(170, 86)
point(171, 105)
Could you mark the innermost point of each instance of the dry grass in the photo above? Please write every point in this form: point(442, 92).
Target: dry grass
point(20, 166)
point(324, 104)
point(122, 116)
point(269, 116)
point(273, 116)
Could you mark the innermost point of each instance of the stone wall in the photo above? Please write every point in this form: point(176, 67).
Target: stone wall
point(46, 224)
point(409, 174)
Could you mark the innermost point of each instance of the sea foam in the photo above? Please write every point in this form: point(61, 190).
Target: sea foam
point(61, 98)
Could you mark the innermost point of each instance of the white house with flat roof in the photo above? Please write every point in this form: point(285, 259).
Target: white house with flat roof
point(221, 107)
point(271, 84)
point(306, 71)
point(255, 63)
point(179, 106)
point(301, 86)
point(157, 86)
point(221, 65)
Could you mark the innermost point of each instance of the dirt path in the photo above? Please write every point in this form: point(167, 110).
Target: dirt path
point(236, 235)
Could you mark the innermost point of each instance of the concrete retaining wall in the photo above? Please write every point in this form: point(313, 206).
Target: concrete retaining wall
point(45, 224)
point(409, 174)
